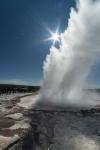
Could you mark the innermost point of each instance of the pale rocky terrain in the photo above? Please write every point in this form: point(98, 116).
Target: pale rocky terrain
point(13, 124)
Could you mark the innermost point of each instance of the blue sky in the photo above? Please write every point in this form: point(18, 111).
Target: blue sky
point(22, 34)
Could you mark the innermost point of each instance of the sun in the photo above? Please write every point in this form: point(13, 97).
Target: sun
point(54, 36)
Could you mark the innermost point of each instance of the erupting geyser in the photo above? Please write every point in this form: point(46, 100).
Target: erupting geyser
point(66, 69)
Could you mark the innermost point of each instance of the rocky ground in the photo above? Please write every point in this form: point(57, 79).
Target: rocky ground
point(51, 127)
point(13, 124)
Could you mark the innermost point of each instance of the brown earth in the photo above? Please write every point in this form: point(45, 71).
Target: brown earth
point(6, 123)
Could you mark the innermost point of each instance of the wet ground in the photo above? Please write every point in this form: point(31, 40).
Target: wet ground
point(61, 130)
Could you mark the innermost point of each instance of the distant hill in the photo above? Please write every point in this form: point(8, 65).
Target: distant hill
point(17, 88)
point(94, 90)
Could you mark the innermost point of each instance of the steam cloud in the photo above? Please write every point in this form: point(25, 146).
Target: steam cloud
point(66, 69)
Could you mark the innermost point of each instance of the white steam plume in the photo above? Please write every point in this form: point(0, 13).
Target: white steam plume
point(66, 69)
